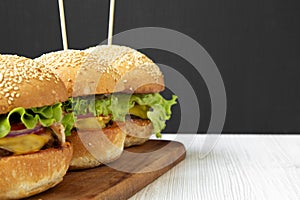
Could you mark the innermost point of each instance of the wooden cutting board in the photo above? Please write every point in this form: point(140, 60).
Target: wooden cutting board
point(136, 168)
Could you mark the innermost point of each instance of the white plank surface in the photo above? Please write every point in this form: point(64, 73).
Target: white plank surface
point(240, 167)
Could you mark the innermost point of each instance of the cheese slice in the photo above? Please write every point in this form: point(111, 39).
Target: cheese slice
point(92, 122)
point(101, 121)
point(140, 111)
point(24, 144)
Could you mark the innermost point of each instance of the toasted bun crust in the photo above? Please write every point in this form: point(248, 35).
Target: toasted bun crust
point(26, 175)
point(131, 132)
point(137, 132)
point(66, 64)
point(25, 83)
point(94, 147)
point(105, 69)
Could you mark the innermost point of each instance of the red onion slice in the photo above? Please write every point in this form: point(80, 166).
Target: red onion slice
point(37, 129)
point(85, 116)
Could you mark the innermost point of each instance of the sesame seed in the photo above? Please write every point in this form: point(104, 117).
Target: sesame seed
point(20, 64)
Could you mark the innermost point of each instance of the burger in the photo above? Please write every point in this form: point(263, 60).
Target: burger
point(114, 95)
point(34, 155)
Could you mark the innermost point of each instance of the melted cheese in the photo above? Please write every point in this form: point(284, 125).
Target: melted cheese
point(92, 122)
point(25, 143)
point(140, 111)
point(100, 122)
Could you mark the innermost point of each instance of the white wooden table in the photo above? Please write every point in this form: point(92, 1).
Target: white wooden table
point(239, 167)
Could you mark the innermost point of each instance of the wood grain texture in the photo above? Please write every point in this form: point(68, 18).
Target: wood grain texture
point(137, 167)
point(239, 167)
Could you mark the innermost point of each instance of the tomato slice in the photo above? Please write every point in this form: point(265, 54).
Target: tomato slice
point(17, 126)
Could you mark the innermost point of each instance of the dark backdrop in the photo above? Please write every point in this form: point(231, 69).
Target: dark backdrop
point(255, 44)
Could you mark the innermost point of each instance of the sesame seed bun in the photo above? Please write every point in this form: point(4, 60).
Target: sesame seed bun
point(105, 69)
point(30, 174)
point(26, 83)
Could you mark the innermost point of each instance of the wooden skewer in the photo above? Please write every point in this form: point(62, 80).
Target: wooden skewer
point(111, 22)
point(63, 24)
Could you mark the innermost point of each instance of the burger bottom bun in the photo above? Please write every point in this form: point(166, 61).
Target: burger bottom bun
point(137, 132)
point(26, 175)
point(95, 147)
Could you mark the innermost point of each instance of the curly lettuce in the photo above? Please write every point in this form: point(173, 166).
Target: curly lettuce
point(46, 116)
point(147, 106)
point(68, 122)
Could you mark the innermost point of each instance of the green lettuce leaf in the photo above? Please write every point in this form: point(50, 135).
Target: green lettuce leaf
point(118, 106)
point(46, 116)
point(68, 121)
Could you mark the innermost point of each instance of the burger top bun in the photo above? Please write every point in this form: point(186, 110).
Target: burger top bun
point(26, 83)
point(105, 69)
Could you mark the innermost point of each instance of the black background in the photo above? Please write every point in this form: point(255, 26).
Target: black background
point(255, 44)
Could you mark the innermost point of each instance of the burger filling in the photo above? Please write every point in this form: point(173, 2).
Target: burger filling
point(116, 107)
point(24, 131)
point(29, 143)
